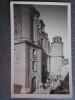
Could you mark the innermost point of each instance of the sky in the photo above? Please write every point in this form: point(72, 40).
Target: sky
point(55, 20)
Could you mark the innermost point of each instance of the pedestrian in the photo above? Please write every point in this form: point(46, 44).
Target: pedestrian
point(52, 88)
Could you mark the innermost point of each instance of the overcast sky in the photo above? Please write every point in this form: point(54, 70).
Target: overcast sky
point(55, 20)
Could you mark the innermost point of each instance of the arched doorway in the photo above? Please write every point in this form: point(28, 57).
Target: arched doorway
point(33, 84)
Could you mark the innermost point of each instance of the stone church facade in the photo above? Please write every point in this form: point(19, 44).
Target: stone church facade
point(30, 42)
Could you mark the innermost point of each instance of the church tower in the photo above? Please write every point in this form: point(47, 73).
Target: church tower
point(56, 55)
point(27, 53)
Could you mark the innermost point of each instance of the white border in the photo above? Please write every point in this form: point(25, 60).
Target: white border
point(69, 51)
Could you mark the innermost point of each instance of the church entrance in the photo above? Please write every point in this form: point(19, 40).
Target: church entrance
point(33, 84)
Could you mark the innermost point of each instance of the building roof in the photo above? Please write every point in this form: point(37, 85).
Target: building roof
point(32, 9)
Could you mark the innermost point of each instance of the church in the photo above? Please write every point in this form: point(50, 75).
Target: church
point(31, 49)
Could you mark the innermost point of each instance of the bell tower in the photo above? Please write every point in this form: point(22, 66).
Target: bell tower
point(56, 55)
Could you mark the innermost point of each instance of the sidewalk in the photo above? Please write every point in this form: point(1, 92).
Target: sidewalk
point(43, 91)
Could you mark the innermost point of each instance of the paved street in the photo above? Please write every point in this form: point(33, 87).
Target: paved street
point(47, 91)
point(43, 91)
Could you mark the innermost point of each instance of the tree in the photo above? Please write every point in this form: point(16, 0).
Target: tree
point(45, 74)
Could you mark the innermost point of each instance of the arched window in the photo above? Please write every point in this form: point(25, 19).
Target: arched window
point(31, 26)
point(34, 52)
point(34, 66)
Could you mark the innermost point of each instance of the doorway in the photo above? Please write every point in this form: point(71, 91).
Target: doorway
point(33, 84)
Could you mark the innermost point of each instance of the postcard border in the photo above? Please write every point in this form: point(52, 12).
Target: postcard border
point(69, 51)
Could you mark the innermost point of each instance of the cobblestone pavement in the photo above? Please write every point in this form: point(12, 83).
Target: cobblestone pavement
point(43, 91)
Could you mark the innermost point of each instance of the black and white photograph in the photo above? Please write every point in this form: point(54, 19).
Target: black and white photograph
point(41, 64)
